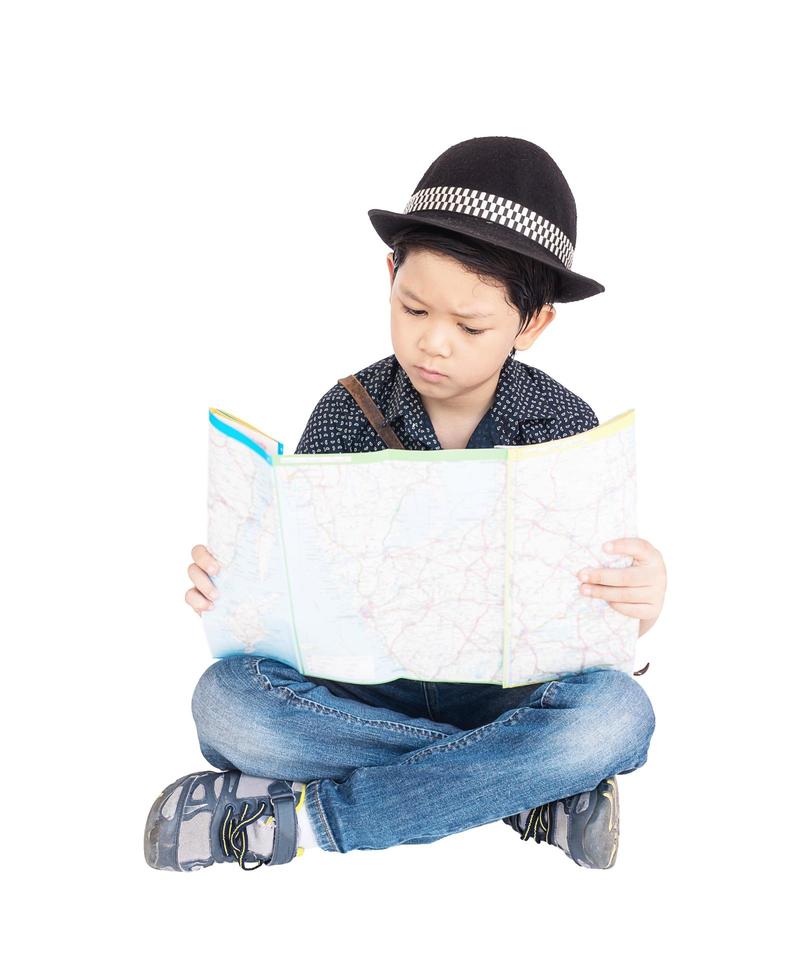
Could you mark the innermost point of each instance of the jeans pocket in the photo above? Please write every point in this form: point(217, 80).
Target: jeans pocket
point(548, 695)
point(280, 678)
point(261, 676)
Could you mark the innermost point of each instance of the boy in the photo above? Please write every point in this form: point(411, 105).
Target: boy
point(480, 255)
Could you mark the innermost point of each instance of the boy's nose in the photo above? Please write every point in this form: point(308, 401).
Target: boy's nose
point(435, 340)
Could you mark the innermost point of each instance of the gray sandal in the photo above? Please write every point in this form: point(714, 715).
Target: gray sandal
point(202, 819)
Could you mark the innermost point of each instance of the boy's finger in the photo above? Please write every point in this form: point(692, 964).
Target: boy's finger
point(202, 581)
point(631, 575)
point(205, 559)
point(197, 600)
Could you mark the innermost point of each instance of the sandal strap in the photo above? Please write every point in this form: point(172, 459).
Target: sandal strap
point(284, 845)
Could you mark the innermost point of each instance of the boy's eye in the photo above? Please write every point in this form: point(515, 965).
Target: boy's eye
point(468, 330)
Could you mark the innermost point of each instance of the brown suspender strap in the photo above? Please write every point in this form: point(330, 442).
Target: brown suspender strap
point(371, 410)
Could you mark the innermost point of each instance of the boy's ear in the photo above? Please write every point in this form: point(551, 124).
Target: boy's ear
point(391, 267)
point(535, 327)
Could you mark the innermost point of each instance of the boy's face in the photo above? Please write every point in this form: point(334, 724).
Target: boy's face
point(443, 297)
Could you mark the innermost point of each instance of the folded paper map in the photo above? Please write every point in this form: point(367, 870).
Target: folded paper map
point(447, 565)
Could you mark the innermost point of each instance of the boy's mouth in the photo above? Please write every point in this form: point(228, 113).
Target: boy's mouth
point(430, 375)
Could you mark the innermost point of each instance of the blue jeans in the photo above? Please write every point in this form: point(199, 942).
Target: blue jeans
point(409, 762)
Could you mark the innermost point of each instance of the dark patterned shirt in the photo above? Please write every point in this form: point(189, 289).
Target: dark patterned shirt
point(529, 406)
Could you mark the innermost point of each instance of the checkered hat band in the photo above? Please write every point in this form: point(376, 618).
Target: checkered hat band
point(497, 209)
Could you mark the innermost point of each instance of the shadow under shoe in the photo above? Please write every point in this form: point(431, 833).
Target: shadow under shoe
point(203, 818)
point(585, 826)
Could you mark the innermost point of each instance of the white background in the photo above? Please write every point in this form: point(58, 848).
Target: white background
point(184, 224)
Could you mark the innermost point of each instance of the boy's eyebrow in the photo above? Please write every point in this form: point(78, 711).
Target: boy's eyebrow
point(464, 316)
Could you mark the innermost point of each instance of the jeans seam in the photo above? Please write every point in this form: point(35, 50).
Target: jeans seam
point(286, 693)
point(452, 743)
point(475, 735)
point(323, 816)
point(428, 703)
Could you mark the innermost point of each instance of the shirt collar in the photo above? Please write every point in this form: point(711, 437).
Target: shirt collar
point(515, 401)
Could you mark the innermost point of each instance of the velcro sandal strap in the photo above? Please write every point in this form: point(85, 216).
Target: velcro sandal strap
point(284, 845)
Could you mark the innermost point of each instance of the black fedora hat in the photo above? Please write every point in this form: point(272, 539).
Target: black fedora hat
point(504, 191)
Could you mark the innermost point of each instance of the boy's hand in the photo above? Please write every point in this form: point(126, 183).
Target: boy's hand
point(638, 590)
point(200, 597)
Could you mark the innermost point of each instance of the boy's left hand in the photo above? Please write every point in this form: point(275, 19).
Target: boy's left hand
point(638, 590)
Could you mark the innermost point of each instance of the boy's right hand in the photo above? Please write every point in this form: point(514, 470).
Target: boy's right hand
point(205, 564)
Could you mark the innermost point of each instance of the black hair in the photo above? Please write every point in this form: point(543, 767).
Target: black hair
point(529, 284)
